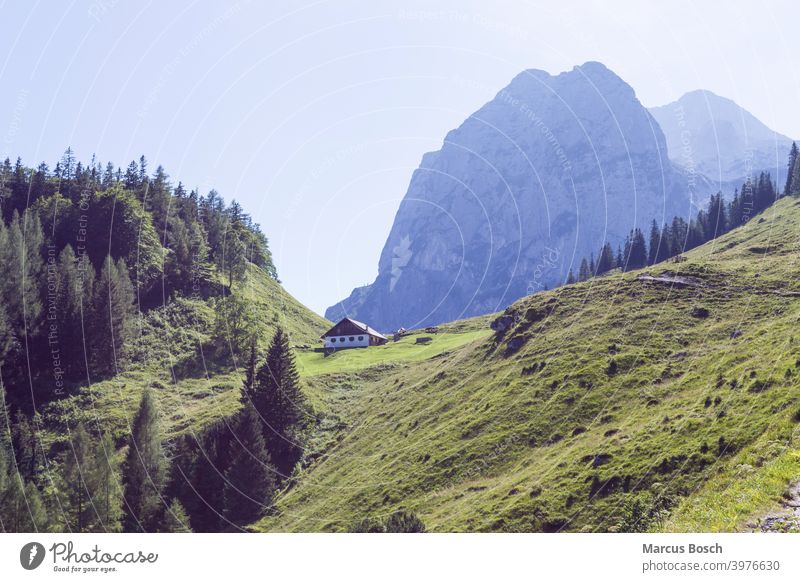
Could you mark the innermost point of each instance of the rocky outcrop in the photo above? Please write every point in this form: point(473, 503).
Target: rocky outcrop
point(714, 137)
point(528, 185)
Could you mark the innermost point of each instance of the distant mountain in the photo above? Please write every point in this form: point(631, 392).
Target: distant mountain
point(529, 184)
point(714, 136)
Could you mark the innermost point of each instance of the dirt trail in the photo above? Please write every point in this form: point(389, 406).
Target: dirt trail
point(785, 519)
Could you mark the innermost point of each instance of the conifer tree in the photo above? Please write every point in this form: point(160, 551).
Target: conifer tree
point(234, 259)
point(280, 403)
point(570, 278)
point(788, 188)
point(794, 186)
point(175, 519)
point(145, 469)
point(605, 260)
point(107, 498)
point(79, 474)
point(655, 243)
point(113, 314)
point(638, 251)
point(584, 273)
point(250, 478)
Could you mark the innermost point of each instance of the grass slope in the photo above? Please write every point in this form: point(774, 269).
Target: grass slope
point(195, 381)
point(602, 393)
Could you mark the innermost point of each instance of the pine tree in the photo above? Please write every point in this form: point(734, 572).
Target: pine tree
point(570, 278)
point(280, 403)
point(145, 469)
point(250, 478)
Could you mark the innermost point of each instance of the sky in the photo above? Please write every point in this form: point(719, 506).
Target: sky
point(313, 115)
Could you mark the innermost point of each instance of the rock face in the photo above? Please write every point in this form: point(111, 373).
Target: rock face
point(528, 185)
point(712, 135)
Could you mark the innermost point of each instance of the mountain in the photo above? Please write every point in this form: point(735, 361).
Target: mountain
point(713, 136)
point(624, 403)
point(529, 184)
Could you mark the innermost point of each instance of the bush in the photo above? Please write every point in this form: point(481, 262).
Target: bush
point(400, 522)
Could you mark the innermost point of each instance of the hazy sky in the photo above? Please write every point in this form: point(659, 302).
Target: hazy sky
point(314, 114)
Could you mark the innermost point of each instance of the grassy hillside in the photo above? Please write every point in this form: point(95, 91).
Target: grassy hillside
point(196, 379)
point(605, 404)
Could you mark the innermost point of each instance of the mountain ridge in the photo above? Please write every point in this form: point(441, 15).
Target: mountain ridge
point(715, 136)
point(532, 180)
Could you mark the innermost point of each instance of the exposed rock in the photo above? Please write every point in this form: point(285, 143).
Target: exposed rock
point(700, 312)
point(515, 343)
point(502, 323)
point(715, 136)
point(492, 215)
point(670, 278)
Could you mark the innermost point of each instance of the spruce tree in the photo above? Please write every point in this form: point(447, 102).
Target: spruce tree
point(145, 469)
point(175, 519)
point(795, 180)
point(570, 278)
point(107, 497)
point(638, 253)
point(605, 260)
point(234, 259)
point(79, 479)
point(280, 403)
point(584, 273)
point(250, 478)
point(788, 188)
point(113, 312)
point(655, 242)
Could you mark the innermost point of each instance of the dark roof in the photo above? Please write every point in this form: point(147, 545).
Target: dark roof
point(362, 326)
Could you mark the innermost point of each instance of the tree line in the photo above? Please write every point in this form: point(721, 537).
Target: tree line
point(84, 248)
point(221, 479)
point(671, 239)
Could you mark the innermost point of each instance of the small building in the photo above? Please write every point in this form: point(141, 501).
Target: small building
point(349, 333)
